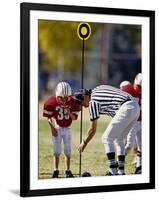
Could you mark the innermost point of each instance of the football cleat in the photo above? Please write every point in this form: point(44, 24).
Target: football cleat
point(86, 174)
point(120, 173)
point(68, 174)
point(138, 170)
point(55, 174)
point(108, 173)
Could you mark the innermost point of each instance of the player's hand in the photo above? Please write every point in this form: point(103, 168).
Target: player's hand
point(67, 110)
point(81, 147)
point(54, 132)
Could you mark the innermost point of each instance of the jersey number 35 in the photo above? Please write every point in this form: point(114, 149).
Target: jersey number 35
point(62, 113)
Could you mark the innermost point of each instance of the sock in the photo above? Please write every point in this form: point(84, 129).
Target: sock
point(121, 163)
point(111, 162)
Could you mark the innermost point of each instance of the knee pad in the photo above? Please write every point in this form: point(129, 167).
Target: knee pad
point(57, 150)
point(57, 155)
point(106, 140)
point(120, 146)
point(67, 151)
point(108, 144)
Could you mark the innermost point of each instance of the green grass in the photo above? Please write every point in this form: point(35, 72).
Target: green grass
point(93, 158)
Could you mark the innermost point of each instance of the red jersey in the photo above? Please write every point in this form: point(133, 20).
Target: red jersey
point(52, 108)
point(130, 89)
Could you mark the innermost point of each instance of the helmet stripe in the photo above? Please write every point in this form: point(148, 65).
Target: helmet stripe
point(66, 89)
point(63, 88)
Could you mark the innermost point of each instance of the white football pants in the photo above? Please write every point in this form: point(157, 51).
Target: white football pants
point(134, 137)
point(63, 134)
point(119, 127)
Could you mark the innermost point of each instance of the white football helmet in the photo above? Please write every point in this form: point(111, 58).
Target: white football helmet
point(138, 79)
point(124, 83)
point(63, 89)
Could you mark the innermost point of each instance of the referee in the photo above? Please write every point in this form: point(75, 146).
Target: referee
point(123, 109)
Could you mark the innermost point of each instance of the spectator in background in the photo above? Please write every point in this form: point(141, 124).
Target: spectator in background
point(124, 53)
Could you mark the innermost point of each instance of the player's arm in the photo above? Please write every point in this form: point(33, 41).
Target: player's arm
point(48, 110)
point(53, 129)
point(73, 114)
point(90, 134)
point(75, 111)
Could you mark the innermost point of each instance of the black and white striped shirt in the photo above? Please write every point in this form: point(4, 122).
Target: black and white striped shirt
point(107, 100)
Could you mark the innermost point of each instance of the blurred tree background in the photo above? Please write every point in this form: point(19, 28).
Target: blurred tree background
point(112, 54)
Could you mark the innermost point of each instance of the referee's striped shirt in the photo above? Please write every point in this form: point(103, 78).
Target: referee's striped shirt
point(107, 100)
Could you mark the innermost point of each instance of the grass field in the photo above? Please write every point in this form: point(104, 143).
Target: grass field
point(93, 158)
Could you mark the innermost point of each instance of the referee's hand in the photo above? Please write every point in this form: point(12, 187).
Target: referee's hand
point(81, 147)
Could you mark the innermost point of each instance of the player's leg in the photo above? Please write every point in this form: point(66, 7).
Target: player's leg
point(57, 151)
point(67, 151)
point(139, 150)
point(132, 116)
point(134, 151)
point(130, 139)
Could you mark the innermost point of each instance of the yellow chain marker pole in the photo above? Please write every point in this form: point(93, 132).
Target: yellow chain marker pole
point(83, 32)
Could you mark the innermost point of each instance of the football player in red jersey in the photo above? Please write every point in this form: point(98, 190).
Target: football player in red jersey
point(135, 133)
point(60, 111)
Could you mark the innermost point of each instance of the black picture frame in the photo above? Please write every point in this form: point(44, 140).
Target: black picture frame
point(25, 168)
